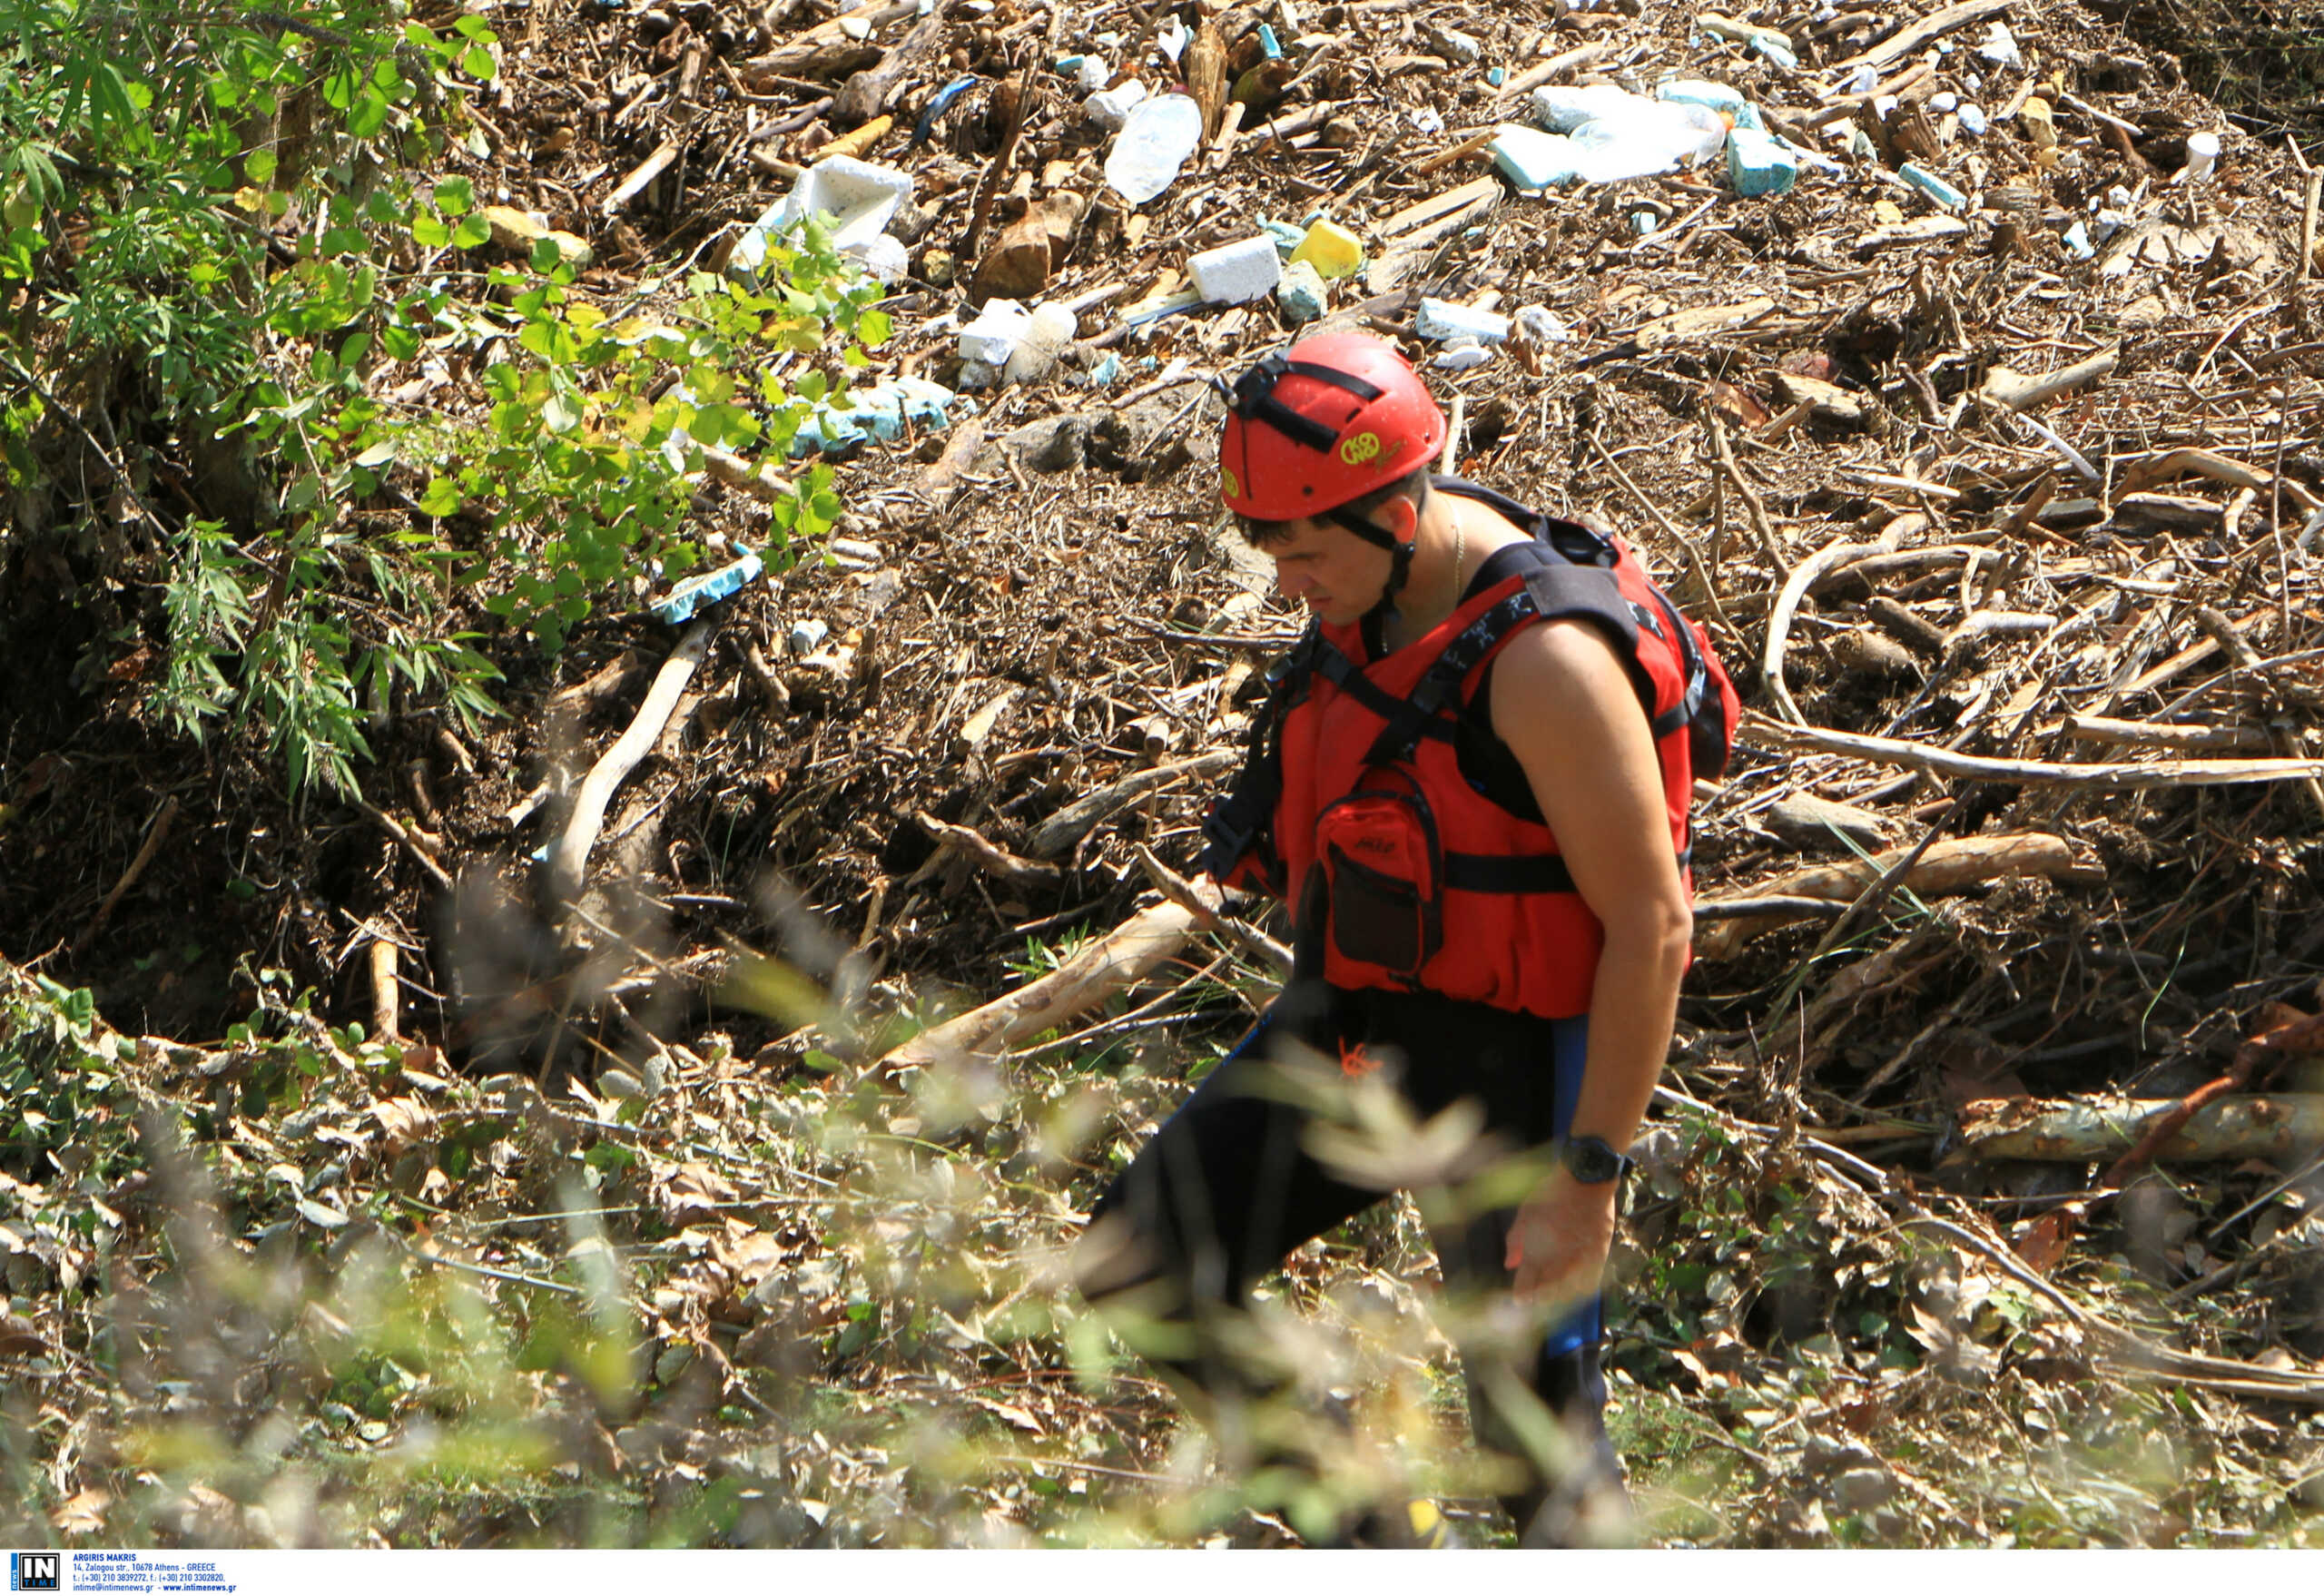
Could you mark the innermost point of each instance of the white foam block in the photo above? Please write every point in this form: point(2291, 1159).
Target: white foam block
point(1237, 273)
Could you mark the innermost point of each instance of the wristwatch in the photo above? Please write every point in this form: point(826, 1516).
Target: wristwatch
point(1590, 1161)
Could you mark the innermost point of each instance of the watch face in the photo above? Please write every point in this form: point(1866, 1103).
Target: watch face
point(1592, 1161)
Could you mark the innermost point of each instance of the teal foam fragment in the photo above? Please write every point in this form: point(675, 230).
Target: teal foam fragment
point(1934, 186)
point(1534, 160)
point(1301, 293)
point(1759, 163)
point(692, 594)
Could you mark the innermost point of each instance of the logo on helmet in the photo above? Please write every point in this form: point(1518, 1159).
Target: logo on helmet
point(1362, 448)
point(1229, 487)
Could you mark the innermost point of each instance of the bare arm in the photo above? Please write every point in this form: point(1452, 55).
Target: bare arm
point(1564, 704)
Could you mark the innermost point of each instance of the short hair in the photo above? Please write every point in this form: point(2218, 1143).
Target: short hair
point(1413, 484)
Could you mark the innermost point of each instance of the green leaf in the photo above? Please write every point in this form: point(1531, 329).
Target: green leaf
point(428, 230)
point(472, 232)
point(455, 196)
point(812, 386)
point(478, 63)
point(399, 343)
point(545, 255)
point(440, 499)
point(472, 26)
point(379, 453)
point(322, 1214)
point(258, 166)
point(370, 114)
point(875, 327)
point(561, 414)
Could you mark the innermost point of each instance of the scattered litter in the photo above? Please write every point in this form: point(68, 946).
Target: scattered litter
point(860, 197)
point(994, 335)
point(1301, 293)
point(1562, 110)
point(1110, 108)
point(709, 587)
point(2203, 158)
point(1089, 73)
point(1538, 324)
point(1973, 119)
point(1442, 322)
point(938, 103)
point(877, 412)
point(805, 637)
point(1048, 331)
point(2077, 241)
point(1332, 250)
point(1461, 356)
point(1759, 163)
point(1934, 186)
point(1999, 48)
point(1155, 141)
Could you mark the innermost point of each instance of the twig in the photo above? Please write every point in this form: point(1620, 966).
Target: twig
point(156, 835)
point(1205, 907)
point(2034, 773)
point(410, 840)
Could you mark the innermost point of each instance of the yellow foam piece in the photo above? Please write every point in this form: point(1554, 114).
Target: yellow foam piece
point(1332, 250)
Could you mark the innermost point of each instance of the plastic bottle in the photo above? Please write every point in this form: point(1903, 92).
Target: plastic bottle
point(1153, 145)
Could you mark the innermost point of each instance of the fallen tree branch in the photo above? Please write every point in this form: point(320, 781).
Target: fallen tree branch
point(1056, 836)
point(2028, 772)
point(568, 863)
point(1202, 899)
point(988, 856)
point(1946, 866)
point(1122, 958)
point(2083, 1129)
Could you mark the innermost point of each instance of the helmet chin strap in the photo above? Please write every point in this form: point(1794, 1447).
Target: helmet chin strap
point(1400, 554)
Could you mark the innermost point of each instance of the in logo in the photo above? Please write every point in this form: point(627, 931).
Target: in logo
point(36, 1570)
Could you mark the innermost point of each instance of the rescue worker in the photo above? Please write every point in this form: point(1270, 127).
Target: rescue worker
point(1470, 785)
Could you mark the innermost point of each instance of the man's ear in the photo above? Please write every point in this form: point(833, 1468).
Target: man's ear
point(1399, 517)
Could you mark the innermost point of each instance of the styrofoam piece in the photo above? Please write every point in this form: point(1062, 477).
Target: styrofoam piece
point(1089, 73)
point(1947, 101)
point(1862, 80)
point(1538, 324)
point(996, 332)
point(1160, 133)
point(807, 635)
point(1332, 250)
point(1234, 274)
point(709, 587)
point(2077, 241)
point(1443, 321)
point(1999, 47)
point(1562, 110)
point(1462, 356)
point(1532, 158)
point(1777, 49)
point(1934, 186)
point(1759, 163)
point(1110, 108)
point(2203, 158)
point(883, 256)
point(860, 197)
point(1287, 238)
point(1974, 121)
point(1689, 91)
point(1301, 293)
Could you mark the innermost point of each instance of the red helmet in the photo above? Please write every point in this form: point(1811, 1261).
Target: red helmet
point(1324, 423)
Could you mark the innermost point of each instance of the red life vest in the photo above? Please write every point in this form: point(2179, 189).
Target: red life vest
point(1403, 874)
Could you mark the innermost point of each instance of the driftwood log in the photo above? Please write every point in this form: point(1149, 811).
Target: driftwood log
point(568, 864)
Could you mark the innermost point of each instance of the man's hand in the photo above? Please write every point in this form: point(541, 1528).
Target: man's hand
point(1559, 1241)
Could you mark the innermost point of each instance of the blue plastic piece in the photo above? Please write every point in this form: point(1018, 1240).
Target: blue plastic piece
point(1496, 76)
point(709, 587)
point(1534, 160)
point(1286, 237)
point(1269, 43)
point(937, 105)
point(1697, 91)
point(1759, 163)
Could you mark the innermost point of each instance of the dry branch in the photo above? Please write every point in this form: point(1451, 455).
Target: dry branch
point(991, 857)
point(2018, 391)
point(1056, 836)
point(155, 835)
point(2030, 772)
point(1947, 866)
point(1123, 958)
point(2086, 1129)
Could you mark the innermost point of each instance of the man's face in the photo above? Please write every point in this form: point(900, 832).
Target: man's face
point(1337, 575)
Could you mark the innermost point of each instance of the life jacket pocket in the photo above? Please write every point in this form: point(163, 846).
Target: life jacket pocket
point(1384, 871)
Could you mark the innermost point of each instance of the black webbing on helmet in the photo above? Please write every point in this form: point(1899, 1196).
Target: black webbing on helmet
point(1254, 400)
